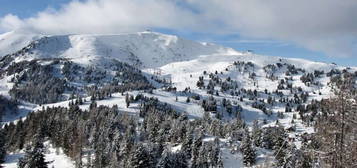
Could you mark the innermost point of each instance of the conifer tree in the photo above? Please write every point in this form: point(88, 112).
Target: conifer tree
point(186, 145)
point(172, 160)
point(248, 151)
point(2, 147)
point(256, 134)
point(196, 145)
point(127, 100)
point(34, 157)
point(280, 145)
point(140, 158)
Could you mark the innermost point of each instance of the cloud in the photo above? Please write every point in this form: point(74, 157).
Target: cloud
point(11, 22)
point(326, 26)
point(104, 16)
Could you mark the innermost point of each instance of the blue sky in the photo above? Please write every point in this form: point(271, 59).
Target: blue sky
point(26, 8)
point(287, 46)
point(262, 46)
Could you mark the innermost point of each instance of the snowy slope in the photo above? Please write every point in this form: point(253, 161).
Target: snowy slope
point(183, 62)
point(181, 71)
point(13, 41)
point(56, 157)
point(147, 49)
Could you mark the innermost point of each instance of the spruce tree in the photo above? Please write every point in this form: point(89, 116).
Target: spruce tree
point(256, 134)
point(165, 161)
point(2, 147)
point(216, 153)
point(219, 161)
point(187, 145)
point(280, 145)
point(127, 100)
point(188, 100)
point(248, 151)
point(172, 160)
point(296, 158)
point(140, 158)
point(196, 145)
point(34, 157)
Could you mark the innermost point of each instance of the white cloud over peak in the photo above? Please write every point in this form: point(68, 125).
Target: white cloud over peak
point(327, 26)
point(104, 16)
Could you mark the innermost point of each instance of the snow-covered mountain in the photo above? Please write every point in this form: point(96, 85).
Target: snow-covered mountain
point(147, 49)
point(13, 41)
point(192, 77)
point(89, 60)
point(181, 60)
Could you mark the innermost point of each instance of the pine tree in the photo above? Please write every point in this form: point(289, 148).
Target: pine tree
point(202, 160)
point(187, 145)
point(188, 100)
point(140, 158)
point(165, 161)
point(127, 100)
point(24, 161)
point(115, 153)
point(34, 157)
point(172, 160)
point(256, 134)
point(93, 105)
point(296, 158)
point(248, 151)
point(280, 145)
point(217, 160)
point(2, 147)
point(196, 145)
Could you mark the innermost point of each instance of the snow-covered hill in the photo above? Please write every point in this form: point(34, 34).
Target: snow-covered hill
point(145, 49)
point(13, 41)
point(168, 57)
point(191, 77)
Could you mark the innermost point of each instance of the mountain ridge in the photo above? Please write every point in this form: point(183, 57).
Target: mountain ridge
point(132, 74)
point(154, 49)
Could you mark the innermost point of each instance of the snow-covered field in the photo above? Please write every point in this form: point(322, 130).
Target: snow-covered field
point(55, 157)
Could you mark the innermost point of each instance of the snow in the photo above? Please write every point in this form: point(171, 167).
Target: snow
point(5, 86)
point(152, 49)
point(182, 61)
point(56, 158)
point(23, 109)
point(192, 109)
point(13, 41)
point(233, 158)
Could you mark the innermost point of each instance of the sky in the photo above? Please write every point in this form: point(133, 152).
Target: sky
point(319, 30)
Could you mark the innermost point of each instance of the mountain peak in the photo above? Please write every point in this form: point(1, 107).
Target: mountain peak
point(147, 49)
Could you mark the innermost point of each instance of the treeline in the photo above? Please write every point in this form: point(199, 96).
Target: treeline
point(43, 81)
point(117, 139)
point(36, 83)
